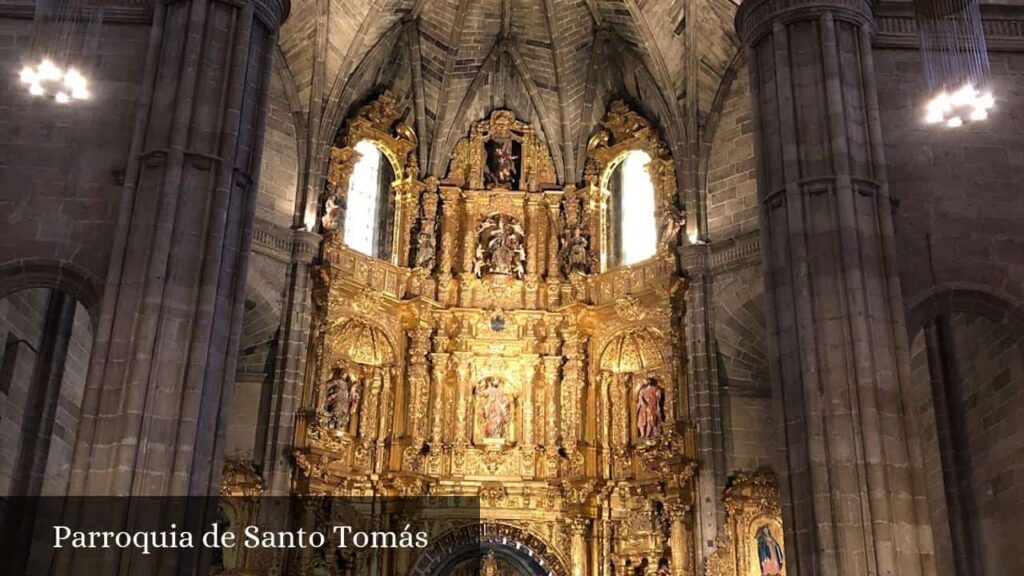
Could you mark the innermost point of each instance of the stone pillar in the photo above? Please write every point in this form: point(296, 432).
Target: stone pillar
point(163, 365)
point(705, 398)
point(838, 354)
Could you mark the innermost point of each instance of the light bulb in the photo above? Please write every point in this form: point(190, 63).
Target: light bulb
point(979, 114)
point(934, 117)
point(80, 93)
point(987, 101)
point(36, 90)
point(28, 75)
point(61, 97)
point(954, 122)
point(49, 71)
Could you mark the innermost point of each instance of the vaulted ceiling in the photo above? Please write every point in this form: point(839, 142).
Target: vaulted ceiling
point(556, 63)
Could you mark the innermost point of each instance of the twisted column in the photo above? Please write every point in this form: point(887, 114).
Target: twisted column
point(835, 312)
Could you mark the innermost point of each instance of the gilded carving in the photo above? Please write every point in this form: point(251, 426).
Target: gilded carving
point(497, 361)
point(502, 152)
point(751, 542)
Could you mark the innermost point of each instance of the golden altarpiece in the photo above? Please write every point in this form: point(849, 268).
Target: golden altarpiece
point(492, 356)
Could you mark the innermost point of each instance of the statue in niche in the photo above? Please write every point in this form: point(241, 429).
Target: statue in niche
point(769, 552)
point(650, 410)
point(341, 397)
point(500, 169)
point(663, 568)
point(500, 247)
point(426, 247)
point(575, 253)
point(493, 408)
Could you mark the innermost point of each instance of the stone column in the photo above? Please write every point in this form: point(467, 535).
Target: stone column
point(163, 365)
point(838, 354)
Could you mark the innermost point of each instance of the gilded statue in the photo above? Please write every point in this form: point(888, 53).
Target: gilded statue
point(426, 246)
point(574, 255)
point(341, 398)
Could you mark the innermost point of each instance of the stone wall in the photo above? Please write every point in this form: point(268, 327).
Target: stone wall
point(22, 319)
point(60, 165)
point(960, 209)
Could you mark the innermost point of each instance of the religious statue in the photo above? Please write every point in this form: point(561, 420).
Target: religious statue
point(341, 398)
point(672, 221)
point(575, 253)
point(650, 411)
point(500, 247)
point(489, 565)
point(769, 552)
point(426, 247)
point(663, 568)
point(493, 408)
point(500, 170)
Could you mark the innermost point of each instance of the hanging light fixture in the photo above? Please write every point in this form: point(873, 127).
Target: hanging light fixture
point(65, 34)
point(955, 61)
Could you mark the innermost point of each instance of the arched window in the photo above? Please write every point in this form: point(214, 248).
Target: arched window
point(369, 218)
point(631, 233)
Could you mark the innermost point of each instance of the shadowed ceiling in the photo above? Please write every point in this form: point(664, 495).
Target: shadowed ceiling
point(556, 63)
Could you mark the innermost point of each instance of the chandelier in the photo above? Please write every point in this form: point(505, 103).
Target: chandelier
point(65, 34)
point(955, 61)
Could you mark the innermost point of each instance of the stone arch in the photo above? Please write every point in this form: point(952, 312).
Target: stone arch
point(512, 542)
point(74, 280)
point(966, 298)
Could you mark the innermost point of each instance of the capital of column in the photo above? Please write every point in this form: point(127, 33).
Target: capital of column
point(755, 18)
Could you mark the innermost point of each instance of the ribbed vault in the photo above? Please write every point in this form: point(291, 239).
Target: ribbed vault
point(556, 63)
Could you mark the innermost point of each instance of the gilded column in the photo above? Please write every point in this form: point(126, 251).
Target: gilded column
point(551, 367)
point(468, 251)
point(527, 400)
point(578, 528)
point(450, 201)
point(533, 225)
point(438, 369)
point(679, 539)
point(418, 378)
point(572, 385)
point(463, 421)
point(553, 276)
point(838, 358)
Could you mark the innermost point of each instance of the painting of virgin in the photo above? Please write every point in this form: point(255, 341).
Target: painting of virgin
point(769, 553)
